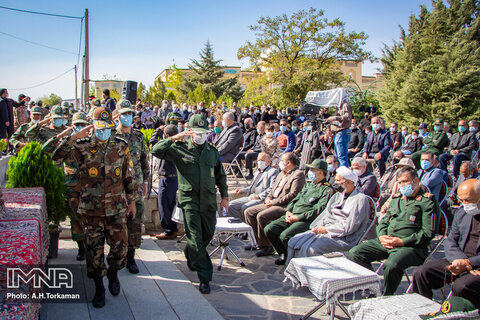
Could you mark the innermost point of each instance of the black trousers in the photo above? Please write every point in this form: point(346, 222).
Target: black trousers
point(249, 157)
point(167, 192)
point(431, 276)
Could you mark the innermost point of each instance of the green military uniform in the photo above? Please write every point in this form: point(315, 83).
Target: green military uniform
point(20, 135)
point(415, 221)
point(107, 187)
point(173, 118)
point(138, 154)
point(436, 143)
point(42, 133)
point(307, 205)
point(67, 116)
point(199, 170)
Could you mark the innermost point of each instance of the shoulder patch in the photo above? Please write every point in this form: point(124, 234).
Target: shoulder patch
point(428, 195)
point(326, 184)
point(397, 195)
point(211, 144)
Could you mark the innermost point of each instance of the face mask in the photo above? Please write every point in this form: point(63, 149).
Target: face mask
point(330, 168)
point(281, 165)
point(184, 108)
point(309, 128)
point(180, 128)
point(126, 120)
point(294, 129)
point(147, 108)
point(425, 164)
point(57, 122)
point(248, 126)
point(224, 124)
point(283, 128)
point(421, 131)
point(302, 118)
point(339, 187)
point(376, 126)
point(304, 129)
point(311, 176)
point(357, 172)
point(199, 138)
point(269, 134)
point(407, 190)
point(257, 111)
point(164, 106)
point(262, 165)
point(77, 128)
point(471, 209)
point(35, 121)
point(395, 160)
point(174, 110)
point(414, 137)
point(436, 128)
point(471, 129)
point(217, 130)
point(103, 134)
point(393, 129)
point(404, 133)
point(189, 110)
point(462, 129)
point(65, 122)
point(200, 108)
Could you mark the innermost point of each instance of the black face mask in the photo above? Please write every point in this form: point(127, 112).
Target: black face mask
point(247, 126)
point(395, 160)
point(338, 187)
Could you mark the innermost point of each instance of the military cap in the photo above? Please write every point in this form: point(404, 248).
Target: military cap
point(439, 121)
point(37, 110)
point(96, 102)
point(39, 103)
point(453, 304)
point(102, 118)
point(198, 124)
point(32, 103)
point(57, 112)
point(318, 164)
point(422, 125)
point(79, 118)
point(65, 104)
point(124, 106)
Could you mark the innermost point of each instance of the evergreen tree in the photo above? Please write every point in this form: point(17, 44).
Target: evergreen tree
point(433, 71)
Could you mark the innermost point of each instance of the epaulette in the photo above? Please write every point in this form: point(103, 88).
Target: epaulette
point(182, 141)
point(326, 184)
point(121, 139)
point(86, 139)
point(397, 195)
point(213, 145)
point(428, 195)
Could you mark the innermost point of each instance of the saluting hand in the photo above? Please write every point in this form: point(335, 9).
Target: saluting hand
point(182, 135)
point(65, 132)
point(82, 133)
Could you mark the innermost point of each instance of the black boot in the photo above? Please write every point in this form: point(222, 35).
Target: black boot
point(131, 265)
point(81, 250)
point(99, 298)
point(113, 282)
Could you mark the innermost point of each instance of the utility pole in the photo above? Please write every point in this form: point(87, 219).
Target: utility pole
point(86, 79)
point(76, 89)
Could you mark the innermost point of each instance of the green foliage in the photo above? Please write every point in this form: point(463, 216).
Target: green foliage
point(433, 71)
point(170, 95)
point(51, 100)
point(141, 91)
point(114, 94)
point(156, 93)
point(199, 94)
point(33, 168)
point(147, 134)
point(300, 53)
point(208, 74)
point(3, 144)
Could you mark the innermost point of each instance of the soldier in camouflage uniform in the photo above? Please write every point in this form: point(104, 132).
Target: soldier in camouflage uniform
point(94, 105)
point(19, 139)
point(138, 154)
point(108, 195)
point(67, 116)
point(42, 132)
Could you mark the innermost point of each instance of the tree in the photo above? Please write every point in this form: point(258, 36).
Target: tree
point(433, 71)
point(141, 91)
point(208, 74)
point(301, 52)
point(51, 100)
point(156, 93)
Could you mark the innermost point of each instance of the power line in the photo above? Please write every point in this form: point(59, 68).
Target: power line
point(41, 13)
point(38, 44)
point(80, 42)
point(41, 84)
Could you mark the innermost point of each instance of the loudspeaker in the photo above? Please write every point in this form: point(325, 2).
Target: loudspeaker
point(129, 91)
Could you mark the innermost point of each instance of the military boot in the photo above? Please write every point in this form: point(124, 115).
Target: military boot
point(113, 282)
point(99, 298)
point(131, 265)
point(81, 250)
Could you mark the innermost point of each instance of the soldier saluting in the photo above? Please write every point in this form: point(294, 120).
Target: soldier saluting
point(199, 171)
point(108, 196)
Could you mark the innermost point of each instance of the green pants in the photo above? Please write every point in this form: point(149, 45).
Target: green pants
point(416, 156)
point(279, 232)
point(76, 225)
point(199, 229)
point(398, 259)
point(134, 226)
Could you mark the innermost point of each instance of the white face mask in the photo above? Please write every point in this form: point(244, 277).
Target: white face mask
point(199, 138)
point(269, 134)
point(358, 172)
point(471, 209)
point(224, 123)
point(281, 165)
point(261, 165)
point(35, 121)
point(376, 126)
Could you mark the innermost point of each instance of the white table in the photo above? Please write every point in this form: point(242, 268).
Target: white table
point(228, 231)
point(330, 278)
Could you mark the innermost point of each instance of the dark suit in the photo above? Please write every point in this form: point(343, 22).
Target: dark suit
point(228, 142)
point(3, 118)
point(383, 144)
point(431, 275)
point(465, 143)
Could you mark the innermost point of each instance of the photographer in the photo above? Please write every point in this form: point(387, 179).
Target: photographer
point(340, 125)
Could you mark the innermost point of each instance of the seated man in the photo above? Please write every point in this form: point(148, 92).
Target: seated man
point(462, 144)
point(378, 145)
point(340, 226)
point(396, 135)
point(413, 145)
point(367, 182)
point(462, 252)
point(258, 190)
point(404, 233)
point(301, 211)
point(435, 143)
point(288, 184)
point(290, 136)
point(251, 154)
point(390, 187)
point(332, 163)
point(430, 177)
point(357, 139)
point(229, 141)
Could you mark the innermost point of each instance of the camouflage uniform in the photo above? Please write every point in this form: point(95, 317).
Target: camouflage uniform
point(43, 133)
point(66, 114)
point(94, 105)
point(20, 134)
point(173, 118)
point(107, 187)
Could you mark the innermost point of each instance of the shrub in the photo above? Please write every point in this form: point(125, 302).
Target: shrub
point(147, 134)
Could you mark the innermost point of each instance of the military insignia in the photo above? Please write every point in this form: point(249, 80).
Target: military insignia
point(201, 123)
point(117, 172)
point(418, 198)
point(93, 151)
point(93, 172)
point(212, 173)
point(428, 195)
point(104, 116)
point(446, 307)
point(412, 218)
point(127, 150)
point(326, 184)
point(130, 163)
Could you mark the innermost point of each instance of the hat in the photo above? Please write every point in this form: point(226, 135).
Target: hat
point(347, 174)
point(21, 96)
point(39, 103)
point(439, 121)
point(124, 106)
point(452, 305)
point(96, 102)
point(79, 118)
point(32, 103)
point(56, 112)
point(102, 118)
point(198, 124)
point(37, 110)
point(405, 162)
point(318, 164)
point(65, 104)
point(422, 125)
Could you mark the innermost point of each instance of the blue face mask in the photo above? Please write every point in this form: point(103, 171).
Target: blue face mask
point(76, 129)
point(126, 120)
point(103, 134)
point(462, 129)
point(57, 122)
point(437, 128)
point(425, 164)
point(175, 110)
point(283, 128)
point(471, 129)
point(330, 168)
point(421, 131)
point(147, 108)
point(407, 190)
point(201, 108)
point(311, 176)
point(304, 129)
point(294, 129)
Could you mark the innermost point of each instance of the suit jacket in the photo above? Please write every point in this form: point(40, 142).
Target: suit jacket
point(367, 183)
point(263, 185)
point(384, 143)
point(433, 179)
point(293, 184)
point(465, 143)
point(457, 239)
point(250, 139)
point(228, 142)
point(461, 179)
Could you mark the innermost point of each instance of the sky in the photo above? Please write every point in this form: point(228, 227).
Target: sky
point(136, 40)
